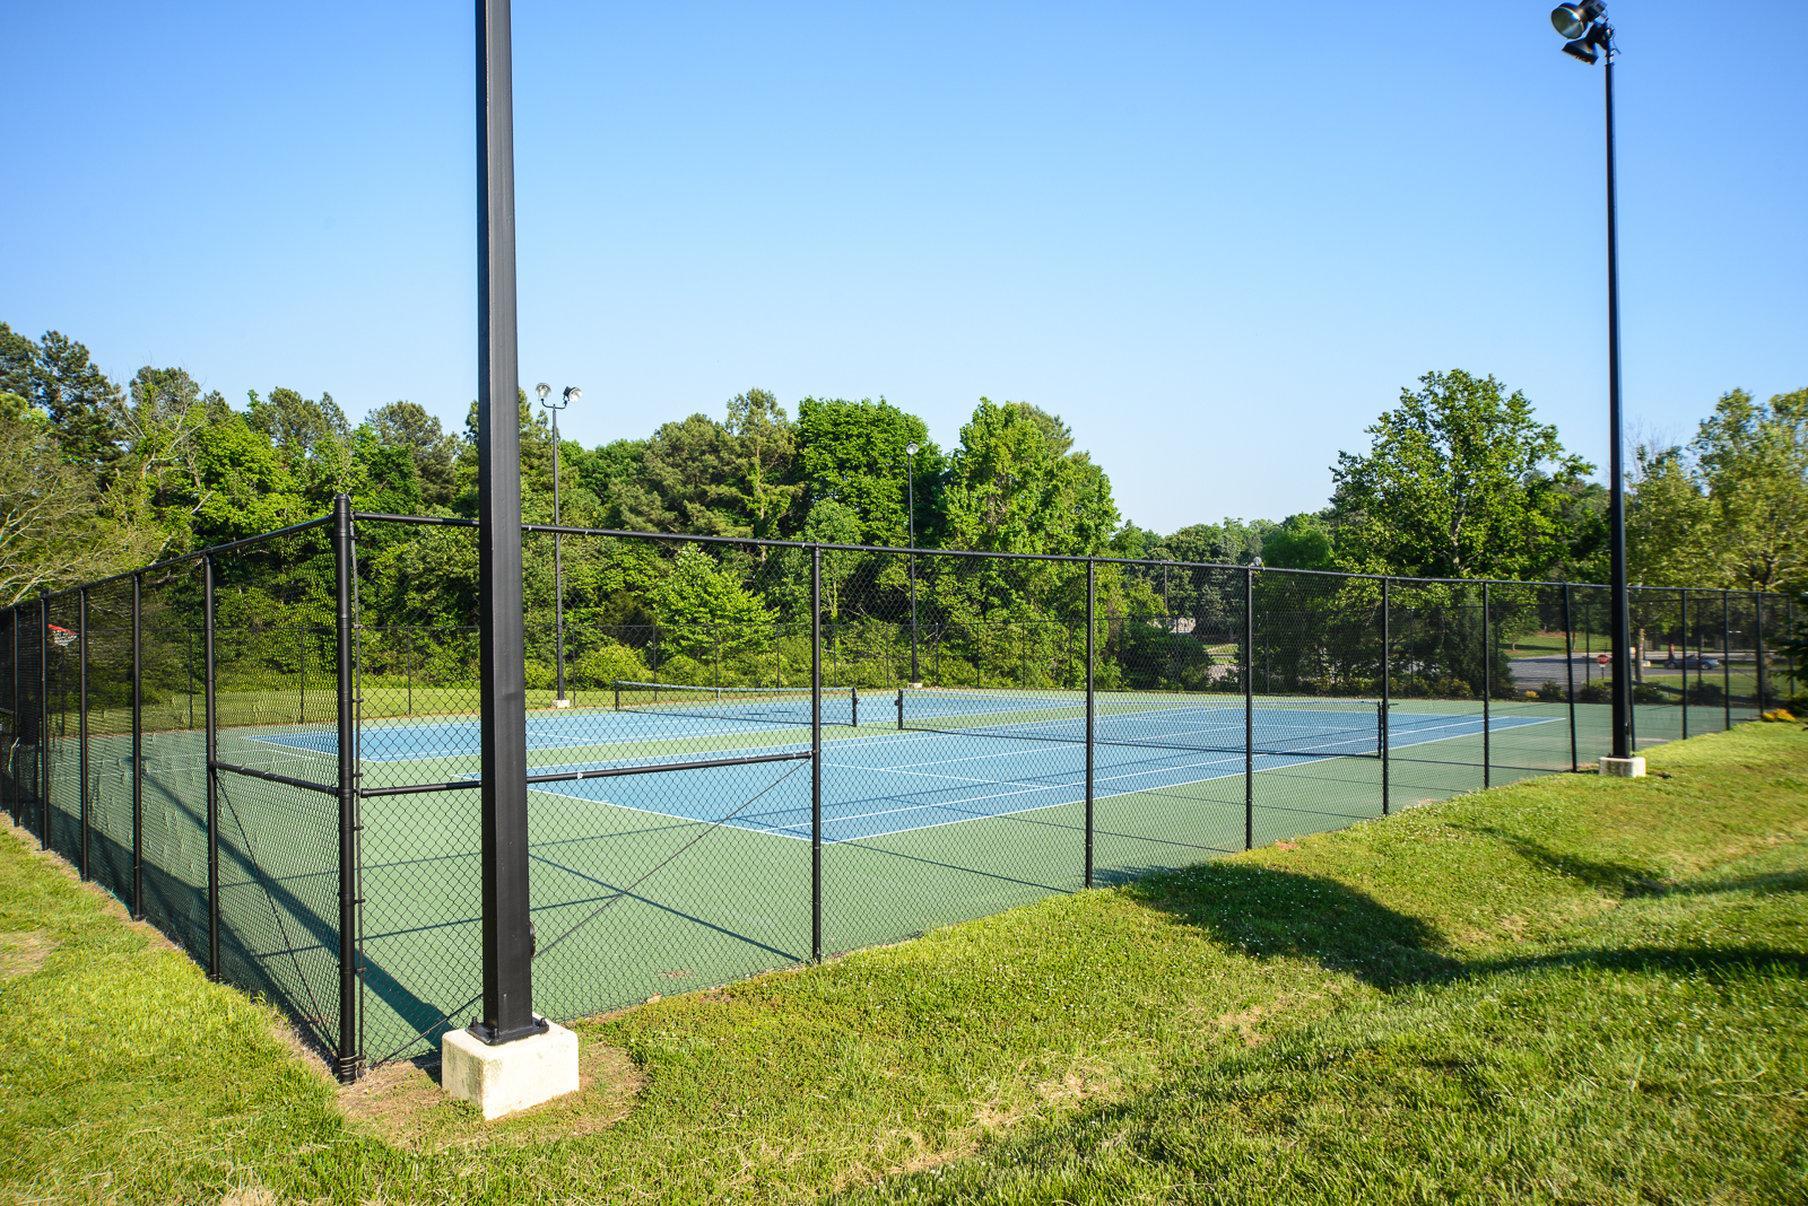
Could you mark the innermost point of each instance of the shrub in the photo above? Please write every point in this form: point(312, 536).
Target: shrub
point(604, 665)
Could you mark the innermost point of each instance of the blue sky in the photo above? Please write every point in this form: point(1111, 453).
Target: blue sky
point(1218, 247)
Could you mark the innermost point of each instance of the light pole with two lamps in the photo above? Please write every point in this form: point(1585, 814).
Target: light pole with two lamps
point(572, 394)
point(1588, 36)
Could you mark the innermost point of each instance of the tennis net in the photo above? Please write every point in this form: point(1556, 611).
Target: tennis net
point(1322, 728)
point(759, 705)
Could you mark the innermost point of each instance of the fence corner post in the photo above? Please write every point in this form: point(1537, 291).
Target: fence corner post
point(348, 1058)
point(1387, 693)
point(82, 730)
point(1091, 710)
point(1249, 707)
point(210, 742)
point(138, 745)
point(816, 753)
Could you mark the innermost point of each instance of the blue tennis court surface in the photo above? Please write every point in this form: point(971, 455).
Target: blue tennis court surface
point(965, 755)
point(896, 782)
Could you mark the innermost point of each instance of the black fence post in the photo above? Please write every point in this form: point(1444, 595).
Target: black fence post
point(347, 1057)
point(138, 746)
point(1569, 677)
point(301, 670)
point(1757, 650)
point(15, 791)
point(1387, 691)
point(1795, 666)
point(1091, 716)
point(1249, 707)
point(82, 731)
point(44, 720)
point(1684, 594)
point(816, 753)
point(1726, 655)
point(210, 717)
point(1487, 689)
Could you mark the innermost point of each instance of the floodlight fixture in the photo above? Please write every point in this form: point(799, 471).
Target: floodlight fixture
point(542, 389)
point(1581, 49)
point(572, 394)
point(1571, 21)
point(911, 449)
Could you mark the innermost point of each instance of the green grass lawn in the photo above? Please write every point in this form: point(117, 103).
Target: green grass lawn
point(1567, 988)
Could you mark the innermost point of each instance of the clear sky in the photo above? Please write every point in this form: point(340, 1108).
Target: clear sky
point(1217, 239)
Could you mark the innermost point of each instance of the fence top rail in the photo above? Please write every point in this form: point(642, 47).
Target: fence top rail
point(547, 529)
point(450, 521)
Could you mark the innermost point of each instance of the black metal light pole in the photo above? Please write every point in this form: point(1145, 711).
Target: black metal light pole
point(572, 394)
point(1589, 37)
point(508, 936)
point(910, 480)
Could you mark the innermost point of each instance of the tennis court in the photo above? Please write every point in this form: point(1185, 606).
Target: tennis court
point(936, 805)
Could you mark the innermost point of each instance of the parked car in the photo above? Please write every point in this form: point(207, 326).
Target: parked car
point(1691, 661)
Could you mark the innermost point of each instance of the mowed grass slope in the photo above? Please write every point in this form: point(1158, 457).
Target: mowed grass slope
point(1570, 988)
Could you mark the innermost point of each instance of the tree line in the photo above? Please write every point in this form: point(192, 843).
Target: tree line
point(1459, 479)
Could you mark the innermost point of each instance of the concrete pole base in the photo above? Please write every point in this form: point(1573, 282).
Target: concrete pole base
point(1623, 768)
point(510, 1076)
point(561, 702)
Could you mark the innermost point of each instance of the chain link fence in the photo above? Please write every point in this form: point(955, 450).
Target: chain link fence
point(745, 755)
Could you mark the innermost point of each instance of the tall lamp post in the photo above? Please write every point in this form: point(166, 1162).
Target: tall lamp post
point(572, 394)
point(509, 1058)
point(910, 486)
point(1588, 37)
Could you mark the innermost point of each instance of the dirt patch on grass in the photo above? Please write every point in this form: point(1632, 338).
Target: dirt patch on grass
point(403, 1105)
point(22, 953)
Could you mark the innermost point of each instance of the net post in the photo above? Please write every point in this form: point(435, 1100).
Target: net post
point(347, 1057)
point(1487, 688)
point(1569, 677)
point(301, 665)
point(1684, 594)
point(138, 746)
point(1387, 691)
point(816, 753)
point(900, 709)
point(44, 720)
point(1249, 707)
point(82, 731)
point(210, 718)
point(1758, 651)
point(617, 686)
point(408, 664)
point(1091, 716)
point(1726, 656)
point(854, 705)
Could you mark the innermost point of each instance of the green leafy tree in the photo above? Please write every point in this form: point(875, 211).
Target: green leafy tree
point(1753, 460)
point(84, 406)
point(1668, 521)
point(1012, 487)
point(764, 451)
point(1300, 541)
point(410, 426)
point(1460, 481)
point(703, 610)
point(853, 453)
point(52, 530)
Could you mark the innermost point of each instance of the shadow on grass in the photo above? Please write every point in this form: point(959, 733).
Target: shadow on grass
point(1630, 881)
point(1267, 913)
